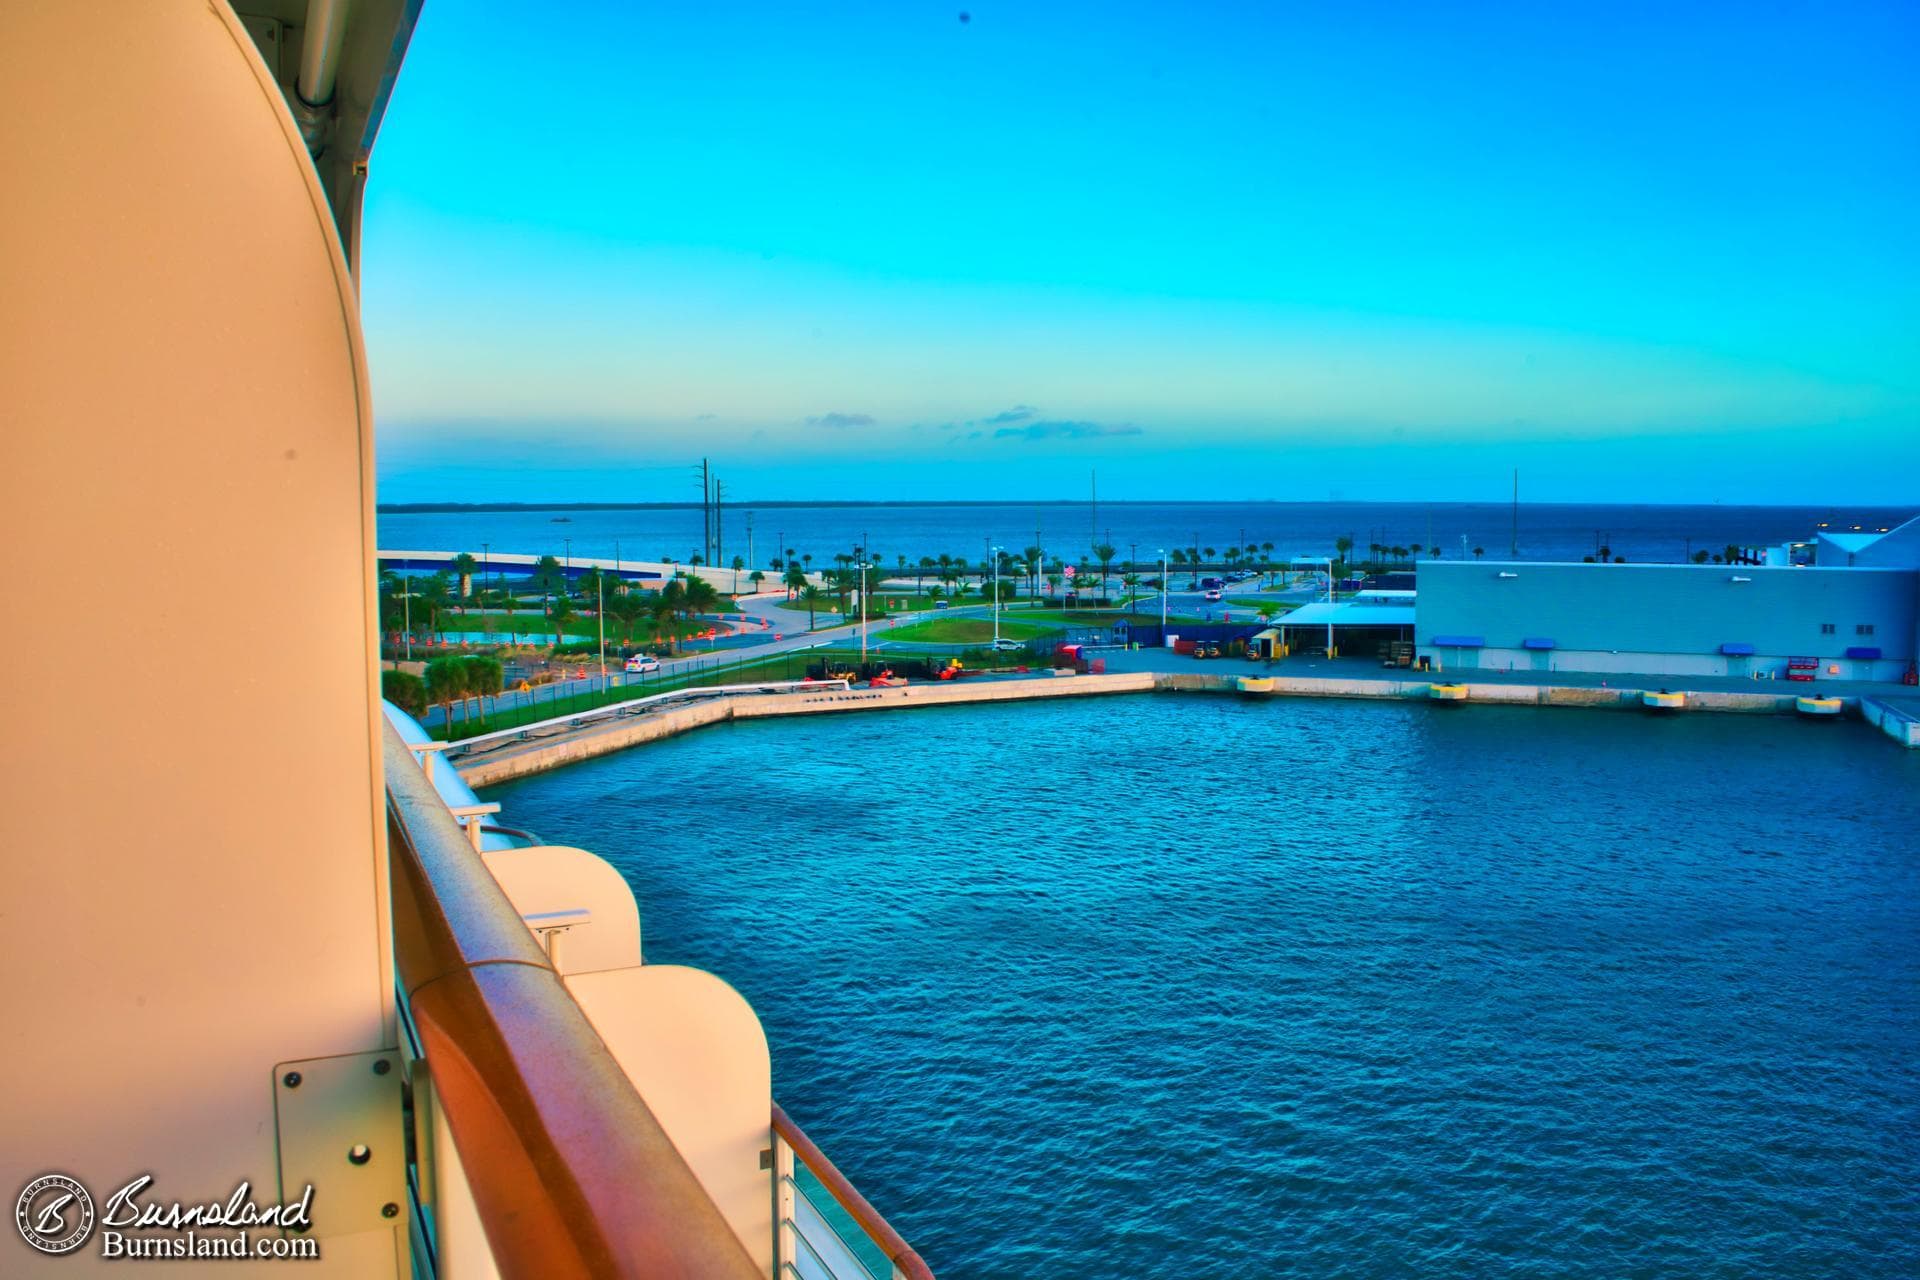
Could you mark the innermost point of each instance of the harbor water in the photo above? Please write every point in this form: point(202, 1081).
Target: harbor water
point(1190, 986)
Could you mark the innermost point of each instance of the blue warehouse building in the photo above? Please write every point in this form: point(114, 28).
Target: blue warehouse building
point(1852, 613)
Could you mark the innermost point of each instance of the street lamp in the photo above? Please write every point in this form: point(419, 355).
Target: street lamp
point(486, 560)
point(1163, 595)
point(864, 566)
point(993, 563)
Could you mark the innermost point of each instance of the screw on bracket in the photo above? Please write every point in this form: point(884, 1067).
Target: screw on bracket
point(381, 1066)
point(389, 1210)
point(291, 1079)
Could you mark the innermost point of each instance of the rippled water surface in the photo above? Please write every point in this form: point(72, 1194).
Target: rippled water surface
point(1193, 986)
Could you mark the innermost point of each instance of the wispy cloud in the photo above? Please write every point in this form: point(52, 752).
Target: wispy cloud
point(1006, 417)
point(705, 417)
point(1067, 430)
point(837, 419)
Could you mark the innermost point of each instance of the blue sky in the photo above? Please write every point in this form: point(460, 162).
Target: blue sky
point(1642, 252)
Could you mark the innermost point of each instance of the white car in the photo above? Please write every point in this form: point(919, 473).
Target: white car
point(1212, 597)
point(642, 664)
point(1005, 645)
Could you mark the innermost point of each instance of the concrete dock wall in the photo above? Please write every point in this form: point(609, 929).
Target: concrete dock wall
point(603, 736)
point(1532, 695)
point(1898, 718)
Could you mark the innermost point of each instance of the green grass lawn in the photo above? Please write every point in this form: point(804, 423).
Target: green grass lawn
point(583, 625)
point(966, 630)
point(786, 666)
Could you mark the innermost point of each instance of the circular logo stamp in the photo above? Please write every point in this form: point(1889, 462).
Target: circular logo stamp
point(54, 1214)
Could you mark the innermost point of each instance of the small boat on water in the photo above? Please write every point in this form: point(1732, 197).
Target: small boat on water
point(1663, 700)
point(1818, 707)
point(1254, 684)
point(1447, 692)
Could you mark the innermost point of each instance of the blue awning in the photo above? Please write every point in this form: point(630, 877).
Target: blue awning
point(1458, 642)
point(1536, 642)
point(1737, 649)
point(1863, 651)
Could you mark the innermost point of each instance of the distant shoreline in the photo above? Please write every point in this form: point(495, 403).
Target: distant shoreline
point(444, 508)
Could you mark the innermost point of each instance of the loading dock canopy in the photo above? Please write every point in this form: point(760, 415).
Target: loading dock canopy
point(1536, 642)
point(1349, 613)
point(1458, 642)
point(1737, 649)
point(1863, 652)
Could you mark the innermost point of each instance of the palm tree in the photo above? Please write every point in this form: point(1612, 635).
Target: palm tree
point(920, 572)
point(754, 580)
point(668, 604)
point(739, 563)
point(812, 597)
point(697, 596)
point(464, 565)
point(1433, 552)
point(795, 581)
point(1478, 552)
point(1266, 551)
point(548, 575)
point(1104, 553)
point(1132, 583)
point(628, 610)
point(559, 614)
point(1032, 557)
point(446, 684)
point(1343, 544)
point(433, 594)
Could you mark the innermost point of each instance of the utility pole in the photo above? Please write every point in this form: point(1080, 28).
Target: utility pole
point(751, 566)
point(719, 536)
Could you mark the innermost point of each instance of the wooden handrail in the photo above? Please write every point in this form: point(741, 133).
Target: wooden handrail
point(905, 1261)
point(571, 1173)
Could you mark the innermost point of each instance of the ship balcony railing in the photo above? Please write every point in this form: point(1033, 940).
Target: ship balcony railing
point(562, 1167)
point(532, 1148)
point(827, 1230)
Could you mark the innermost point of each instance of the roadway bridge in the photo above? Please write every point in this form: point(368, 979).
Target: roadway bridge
point(499, 565)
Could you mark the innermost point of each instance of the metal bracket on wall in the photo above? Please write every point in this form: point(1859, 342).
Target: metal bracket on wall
point(339, 1128)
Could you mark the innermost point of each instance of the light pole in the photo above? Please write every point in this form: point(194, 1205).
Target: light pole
point(600, 615)
point(863, 613)
point(1163, 596)
point(486, 559)
point(406, 618)
point(993, 562)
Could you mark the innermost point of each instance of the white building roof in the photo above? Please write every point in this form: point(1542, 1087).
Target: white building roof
point(1349, 613)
